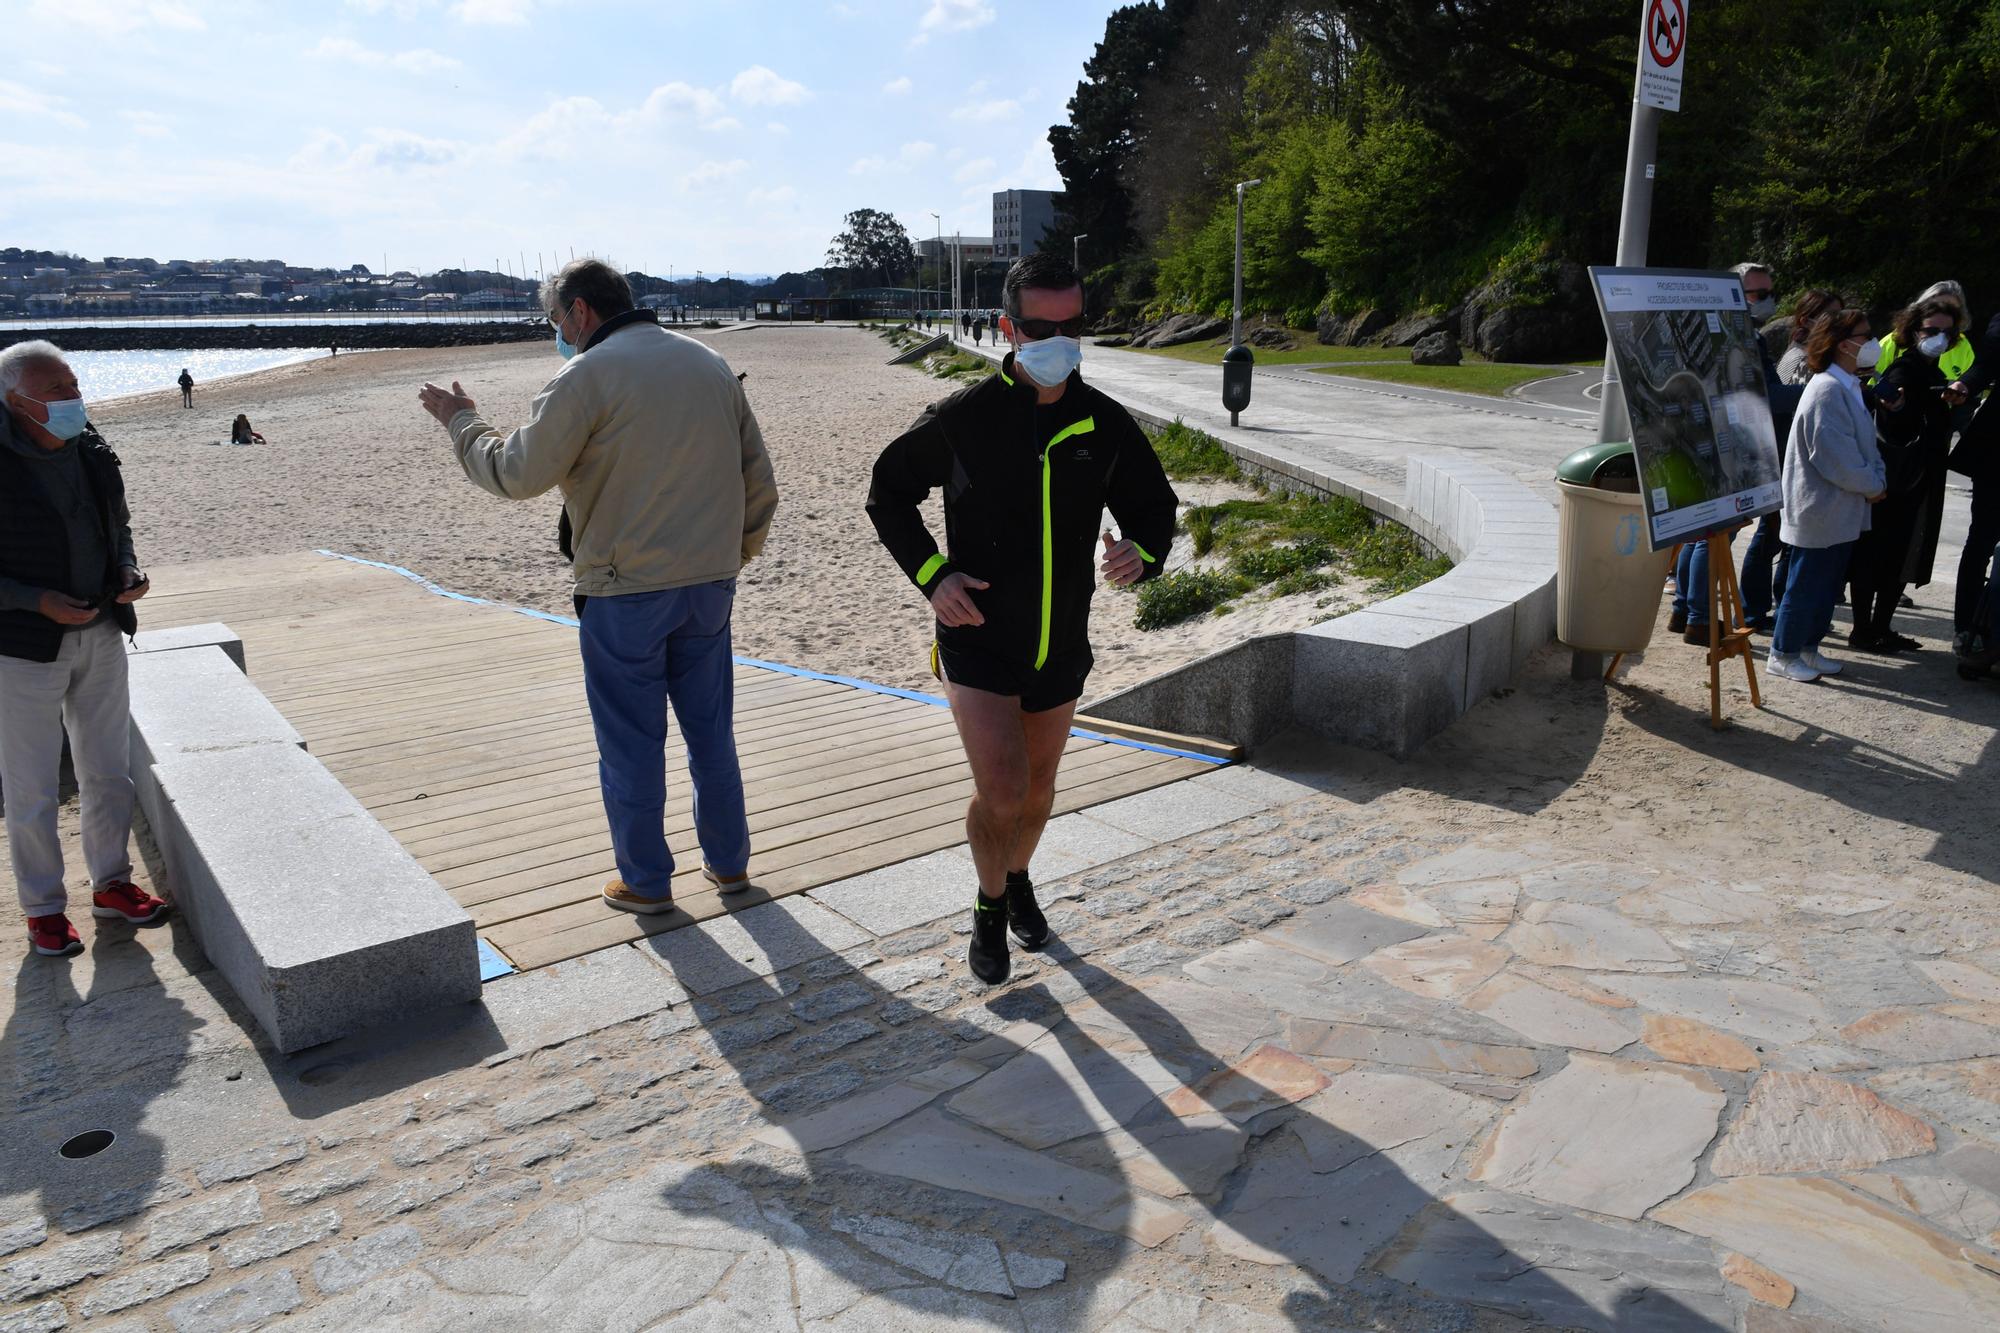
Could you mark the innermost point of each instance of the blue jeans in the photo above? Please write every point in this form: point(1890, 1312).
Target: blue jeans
point(1806, 614)
point(1686, 583)
point(641, 651)
point(1762, 586)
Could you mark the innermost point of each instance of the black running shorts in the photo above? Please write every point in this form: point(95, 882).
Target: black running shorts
point(1060, 681)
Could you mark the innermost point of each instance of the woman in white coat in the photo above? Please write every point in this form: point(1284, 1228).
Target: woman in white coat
point(1833, 473)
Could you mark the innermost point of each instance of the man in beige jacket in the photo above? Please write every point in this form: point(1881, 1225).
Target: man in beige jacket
point(667, 491)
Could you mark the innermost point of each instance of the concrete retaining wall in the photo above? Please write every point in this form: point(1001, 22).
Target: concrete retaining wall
point(312, 911)
point(1390, 676)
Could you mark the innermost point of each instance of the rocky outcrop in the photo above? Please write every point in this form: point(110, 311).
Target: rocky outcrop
point(1351, 330)
point(1273, 337)
point(1437, 349)
point(1548, 314)
point(1413, 329)
point(1175, 330)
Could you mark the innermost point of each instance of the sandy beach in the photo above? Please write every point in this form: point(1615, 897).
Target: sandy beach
point(354, 465)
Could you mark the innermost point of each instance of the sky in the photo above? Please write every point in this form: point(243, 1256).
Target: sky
point(667, 135)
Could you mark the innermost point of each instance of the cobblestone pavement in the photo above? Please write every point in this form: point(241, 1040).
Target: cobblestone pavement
point(1582, 1018)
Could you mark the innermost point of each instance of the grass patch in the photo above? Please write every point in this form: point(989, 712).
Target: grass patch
point(1289, 544)
point(1312, 353)
point(959, 366)
point(1481, 377)
point(1172, 598)
point(1189, 454)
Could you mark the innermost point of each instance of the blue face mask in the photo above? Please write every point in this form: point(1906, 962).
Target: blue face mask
point(66, 417)
point(1049, 361)
point(564, 347)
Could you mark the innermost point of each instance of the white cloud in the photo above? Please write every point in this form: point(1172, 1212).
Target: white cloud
point(777, 127)
point(973, 170)
point(898, 87)
point(683, 101)
point(389, 150)
point(25, 100)
point(782, 194)
point(947, 16)
point(713, 173)
point(569, 125)
point(913, 154)
point(509, 13)
point(402, 9)
point(987, 112)
point(419, 61)
point(116, 17)
point(759, 86)
point(148, 124)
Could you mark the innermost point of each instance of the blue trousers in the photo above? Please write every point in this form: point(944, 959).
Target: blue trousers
point(1691, 581)
point(1762, 584)
point(1806, 614)
point(641, 651)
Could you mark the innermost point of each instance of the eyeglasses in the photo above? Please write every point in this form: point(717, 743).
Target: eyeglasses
point(1036, 329)
point(1750, 295)
point(1940, 328)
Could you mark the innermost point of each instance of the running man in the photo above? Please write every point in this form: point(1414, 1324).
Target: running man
point(1028, 460)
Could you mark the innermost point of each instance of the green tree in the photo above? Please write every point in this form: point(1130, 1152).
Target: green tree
point(873, 248)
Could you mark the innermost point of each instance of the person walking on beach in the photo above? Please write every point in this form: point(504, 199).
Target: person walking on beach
point(1028, 460)
point(68, 579)
point(186, 382)
point(667, 491)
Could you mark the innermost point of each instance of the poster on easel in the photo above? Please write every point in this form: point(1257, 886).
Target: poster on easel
point(1686, 358)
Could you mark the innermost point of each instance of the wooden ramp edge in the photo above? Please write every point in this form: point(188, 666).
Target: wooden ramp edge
point(461, 726)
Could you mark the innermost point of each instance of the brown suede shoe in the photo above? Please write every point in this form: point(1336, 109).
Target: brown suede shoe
point(621, 897)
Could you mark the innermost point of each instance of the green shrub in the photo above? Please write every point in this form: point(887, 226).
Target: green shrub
point(1303, 580)
point(1201, 529)
point(1172, 598)
point(1263, 564)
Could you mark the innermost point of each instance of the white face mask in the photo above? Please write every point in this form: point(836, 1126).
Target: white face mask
point(1049, 361)
point(1763, 308)
point(1933, 345)
point(1866, 355)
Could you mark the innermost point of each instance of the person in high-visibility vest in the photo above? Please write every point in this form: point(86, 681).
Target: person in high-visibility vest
point(1960, 354)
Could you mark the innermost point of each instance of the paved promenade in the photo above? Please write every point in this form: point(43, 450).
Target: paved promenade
point(1584, 1017)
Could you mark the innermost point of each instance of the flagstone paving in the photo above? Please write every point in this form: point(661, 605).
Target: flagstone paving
point(1294, 1060)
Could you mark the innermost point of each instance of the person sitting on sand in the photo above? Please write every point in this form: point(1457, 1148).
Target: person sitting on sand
point(667, 492)
point(240, 432)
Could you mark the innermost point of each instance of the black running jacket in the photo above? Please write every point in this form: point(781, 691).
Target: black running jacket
point(1025, 488)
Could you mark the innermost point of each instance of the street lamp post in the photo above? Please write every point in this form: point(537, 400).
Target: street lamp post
point(1076, 250)
point(1238, 360)
point(938, 276)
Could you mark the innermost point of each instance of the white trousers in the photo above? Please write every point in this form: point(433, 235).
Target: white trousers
point(84, 692)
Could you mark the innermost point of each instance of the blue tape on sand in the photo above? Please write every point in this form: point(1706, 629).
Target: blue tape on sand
point(853, 682)
point(492, 963)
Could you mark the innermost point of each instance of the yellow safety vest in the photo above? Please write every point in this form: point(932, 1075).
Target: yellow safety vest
point(1957, 358)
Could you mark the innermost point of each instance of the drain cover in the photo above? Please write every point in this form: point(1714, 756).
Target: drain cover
point(87, 1144)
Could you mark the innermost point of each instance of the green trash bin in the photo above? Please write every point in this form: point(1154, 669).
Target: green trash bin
point(1608, 580)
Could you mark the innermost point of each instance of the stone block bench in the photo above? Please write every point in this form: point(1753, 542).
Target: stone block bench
point(317, 917)
point(1392, 675)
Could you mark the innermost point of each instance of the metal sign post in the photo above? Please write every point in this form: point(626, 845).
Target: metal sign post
point(1657, 88)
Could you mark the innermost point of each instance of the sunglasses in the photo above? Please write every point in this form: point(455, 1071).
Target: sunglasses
point(1940, 328)
point(1034, 330)
point(1750, 295)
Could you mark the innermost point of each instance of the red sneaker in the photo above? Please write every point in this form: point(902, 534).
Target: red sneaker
point(53, 936)
point(126, 901)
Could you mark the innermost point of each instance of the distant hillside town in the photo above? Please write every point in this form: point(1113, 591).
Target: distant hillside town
point(57, 284)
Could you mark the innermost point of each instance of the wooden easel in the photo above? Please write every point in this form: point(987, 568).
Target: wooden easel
point(1728, 634)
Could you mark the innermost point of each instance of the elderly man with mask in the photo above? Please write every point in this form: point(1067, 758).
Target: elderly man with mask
point(667, 492)
point(68, 579)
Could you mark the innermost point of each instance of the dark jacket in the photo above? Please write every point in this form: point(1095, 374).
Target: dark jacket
point(1025, 487)
point(34, 549)
point(1978, 451)
point(1901, 543)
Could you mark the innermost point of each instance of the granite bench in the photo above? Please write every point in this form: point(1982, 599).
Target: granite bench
point(317, 917)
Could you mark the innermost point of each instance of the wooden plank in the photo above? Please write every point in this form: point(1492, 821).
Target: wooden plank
point(1216, 749)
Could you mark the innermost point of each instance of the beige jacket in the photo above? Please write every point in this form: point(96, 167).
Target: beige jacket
point(661, 465)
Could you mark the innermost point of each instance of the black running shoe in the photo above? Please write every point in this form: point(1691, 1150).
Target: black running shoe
point(1024, 914)
point(987, 954)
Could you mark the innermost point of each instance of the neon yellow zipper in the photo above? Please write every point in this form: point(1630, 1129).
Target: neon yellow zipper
point(1048, 534)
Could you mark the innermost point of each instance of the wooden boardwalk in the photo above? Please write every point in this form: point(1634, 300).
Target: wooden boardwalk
point(462, 727)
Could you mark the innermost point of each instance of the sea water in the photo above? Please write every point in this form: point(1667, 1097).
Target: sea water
point(115, 374)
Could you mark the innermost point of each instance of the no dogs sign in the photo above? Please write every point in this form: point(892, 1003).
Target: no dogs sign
point(1662, 42)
